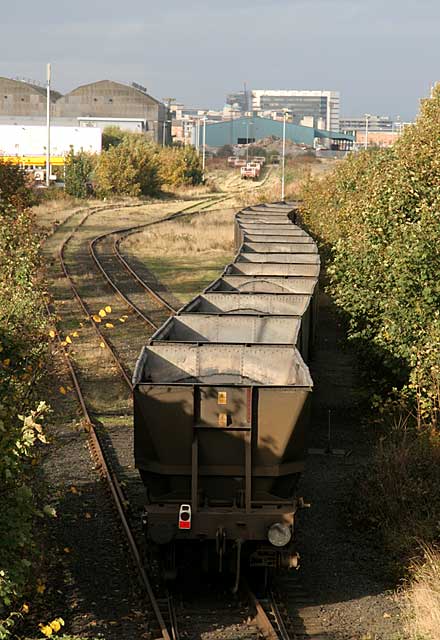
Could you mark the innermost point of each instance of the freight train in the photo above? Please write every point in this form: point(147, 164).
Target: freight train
point(221, 404)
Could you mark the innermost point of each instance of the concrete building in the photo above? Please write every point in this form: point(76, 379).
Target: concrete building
point(319, 109)
point(377, 138)
point(375, 123)
point(97, 104)
point(23, 98)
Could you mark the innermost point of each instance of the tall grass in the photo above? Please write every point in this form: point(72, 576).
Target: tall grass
point(205, 233)
point(422, 597)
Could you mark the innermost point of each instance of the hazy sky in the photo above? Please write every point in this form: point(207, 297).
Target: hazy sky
point(382, 55)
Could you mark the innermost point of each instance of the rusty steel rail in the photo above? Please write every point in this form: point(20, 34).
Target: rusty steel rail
point(121, 234)
point(94, 443)
point(113, 485)
point(82, 304)
point(260, 618)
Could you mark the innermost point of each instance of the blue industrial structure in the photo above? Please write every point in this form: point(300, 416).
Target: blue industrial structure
point(248, 130)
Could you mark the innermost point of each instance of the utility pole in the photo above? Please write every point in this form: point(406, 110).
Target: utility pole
point(48, 172)
point(204, 148)
point(283, 166)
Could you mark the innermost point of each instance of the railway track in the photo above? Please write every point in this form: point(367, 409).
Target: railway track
point(267, 621)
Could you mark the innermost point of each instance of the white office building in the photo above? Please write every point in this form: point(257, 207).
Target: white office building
point(315, 108)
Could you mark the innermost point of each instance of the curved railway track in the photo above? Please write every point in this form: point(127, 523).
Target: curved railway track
point(266, 617)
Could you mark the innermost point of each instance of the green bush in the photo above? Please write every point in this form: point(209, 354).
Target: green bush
point(378, 216)
point(14, 186)
point(78, 174)
point(22, 353)
point(180, 166)
point(131, 168)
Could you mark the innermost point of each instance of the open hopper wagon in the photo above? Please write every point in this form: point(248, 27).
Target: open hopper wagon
point(221, 404)
point(220, 429)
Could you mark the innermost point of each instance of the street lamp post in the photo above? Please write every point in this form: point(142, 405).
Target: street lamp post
point(48, 127)
point(204, 148)
point(283, 162)
point(367, 120)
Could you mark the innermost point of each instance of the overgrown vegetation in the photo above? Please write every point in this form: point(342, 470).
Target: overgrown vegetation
point(131, 165)
point(22, 353)
point(131, 169)
point(180, 167)
point(188, 254)
point(78, 171)
point(423, 596)
point(377, 216)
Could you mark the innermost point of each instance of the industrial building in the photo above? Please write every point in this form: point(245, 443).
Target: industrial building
point(31, 140)
point(19, 98)
point(375, 123)
point(318, 109)
point(248, 130)
point(98, 104)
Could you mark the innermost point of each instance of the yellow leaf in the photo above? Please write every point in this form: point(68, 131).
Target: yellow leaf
point(57, 624)
point(68, 340)
point(125, 317)
point(52, 333)
point(41, 588)
point(63, 344)
point(66, 550)
point(46, 629)
point(109, 325)
point(25, 608)
point(96, 318)
point(108, 309)
point(7, 362)
point(63, 391)
point(102, 313)
point(121, 319)
point(102, 345)
point(75, 334)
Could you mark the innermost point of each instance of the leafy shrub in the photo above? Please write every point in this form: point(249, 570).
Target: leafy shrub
point(112, 136)
point(78, 174)
point(180, 166)
point(378, 213)
point(14, 186)
point(131, 168)
point(22, 351)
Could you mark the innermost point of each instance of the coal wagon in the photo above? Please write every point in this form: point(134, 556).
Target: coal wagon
point(221, 405)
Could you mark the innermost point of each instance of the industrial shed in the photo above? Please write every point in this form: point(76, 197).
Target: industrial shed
point(98, 104)
point(243, 130)
point(20, 98)
point(107, 103)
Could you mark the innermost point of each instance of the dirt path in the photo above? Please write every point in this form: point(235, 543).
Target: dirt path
point(339, 568)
